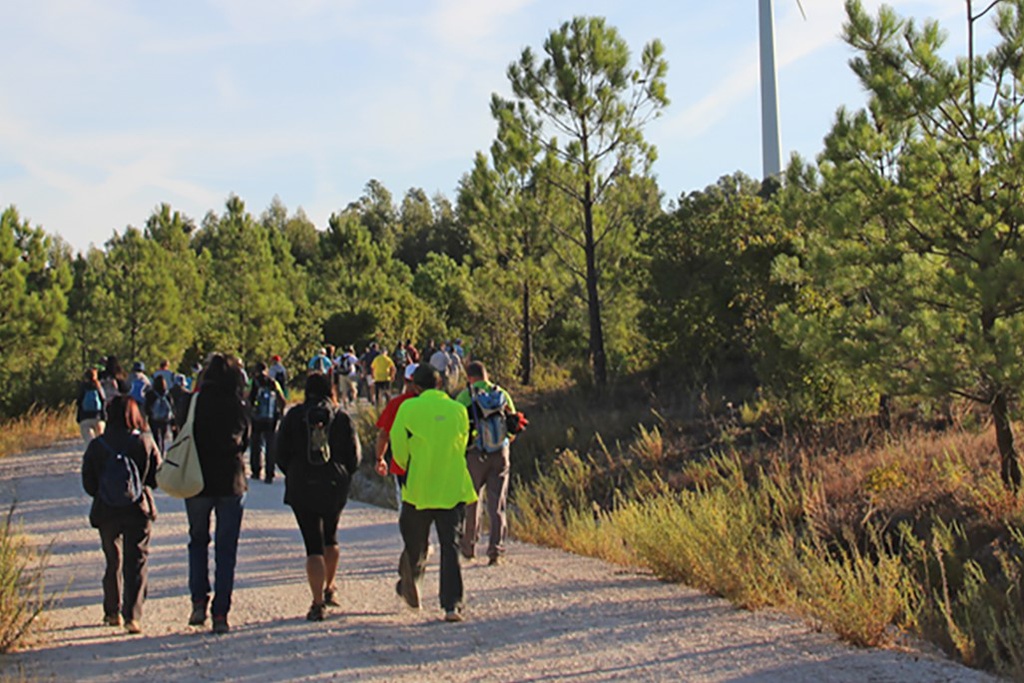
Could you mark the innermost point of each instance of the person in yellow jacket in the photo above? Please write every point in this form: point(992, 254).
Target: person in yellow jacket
point(428, 441)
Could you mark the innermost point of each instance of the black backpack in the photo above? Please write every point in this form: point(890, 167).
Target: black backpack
point(318, 419)
point(120, 482)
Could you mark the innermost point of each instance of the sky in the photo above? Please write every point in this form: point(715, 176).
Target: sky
point(111, 107)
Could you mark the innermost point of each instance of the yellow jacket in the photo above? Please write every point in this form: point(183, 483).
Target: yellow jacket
point(428, 441)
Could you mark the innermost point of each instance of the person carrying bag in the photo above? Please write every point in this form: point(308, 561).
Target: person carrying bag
point(180, 474)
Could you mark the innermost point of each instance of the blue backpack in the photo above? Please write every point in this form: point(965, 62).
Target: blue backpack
point(120, 483)
point(489, 408)
point(138, 390)
point(91, 402)
point(161, 411)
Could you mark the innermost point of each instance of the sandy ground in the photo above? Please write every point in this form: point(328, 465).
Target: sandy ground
point(544, 615)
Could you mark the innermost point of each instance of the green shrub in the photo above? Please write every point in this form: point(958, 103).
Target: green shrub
point(975, 611)
point(22, 597)
point(718, 539)
point(859, 594)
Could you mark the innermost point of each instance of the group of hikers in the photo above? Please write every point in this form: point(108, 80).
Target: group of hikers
point(442, 451)
point(373, 373)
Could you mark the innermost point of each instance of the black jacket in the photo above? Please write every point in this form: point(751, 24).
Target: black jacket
point(180, 398)
point(258, 383)
point(323, 488)
point(221, 433)
point(138, 447)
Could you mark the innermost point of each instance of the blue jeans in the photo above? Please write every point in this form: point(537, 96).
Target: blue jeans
point(229, 524)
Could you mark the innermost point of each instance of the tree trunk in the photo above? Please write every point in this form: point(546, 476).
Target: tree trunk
point(1009, 463)
point(526, 360)
point(885, 412)
point(597, 357)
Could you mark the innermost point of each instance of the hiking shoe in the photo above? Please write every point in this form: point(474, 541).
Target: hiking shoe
point(133, 627)
point(220, 624)
point(453, 615)
point(198, 616)
point(316, 612)
point(331, 597)
point(410, 595)
point(113, 620)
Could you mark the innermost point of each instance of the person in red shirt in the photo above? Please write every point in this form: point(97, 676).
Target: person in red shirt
point(385, 464)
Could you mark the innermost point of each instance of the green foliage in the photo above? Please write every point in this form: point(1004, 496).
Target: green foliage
point(143, 303)
point(585, 91)
point(247, 297)
point(35, 277)
point(516, 280)
point(974, 610)
point(860, 594)
point(911, 270)
point(22, 594)
point(709, 298)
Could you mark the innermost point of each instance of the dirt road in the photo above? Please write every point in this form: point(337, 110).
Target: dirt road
point(542, 616)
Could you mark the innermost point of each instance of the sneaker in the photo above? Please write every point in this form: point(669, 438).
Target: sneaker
point(316, 612)
point(220, 624)
point(133, 627)
point(453, 615)
point(410, 595)
point(198, 616)
point(113, 620)
point(408, 587)
point(493, 561)
point(331, 597)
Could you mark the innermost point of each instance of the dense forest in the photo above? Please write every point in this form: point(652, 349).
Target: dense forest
point(889, 272)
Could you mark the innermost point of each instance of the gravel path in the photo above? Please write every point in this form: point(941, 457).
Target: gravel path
point(544, 615)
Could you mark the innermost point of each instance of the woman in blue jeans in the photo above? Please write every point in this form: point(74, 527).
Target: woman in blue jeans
point(221, 433)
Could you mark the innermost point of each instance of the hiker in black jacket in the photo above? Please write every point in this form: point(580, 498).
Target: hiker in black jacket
point(221, 432)
point(266, 403)
point(318, 450)
point(127, 521)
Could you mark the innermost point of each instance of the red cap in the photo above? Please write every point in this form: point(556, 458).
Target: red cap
point(276, 358)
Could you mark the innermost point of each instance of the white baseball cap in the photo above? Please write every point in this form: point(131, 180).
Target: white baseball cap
point(409, 369)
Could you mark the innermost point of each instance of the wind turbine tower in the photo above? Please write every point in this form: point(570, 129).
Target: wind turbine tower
point(771, 143)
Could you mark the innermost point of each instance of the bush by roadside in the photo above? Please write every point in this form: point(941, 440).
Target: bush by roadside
point(859, 542)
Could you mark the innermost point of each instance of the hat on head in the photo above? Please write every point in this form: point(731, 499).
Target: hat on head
point(409, 370)
point(179, 380)
point(276, 359)
point(138, 366)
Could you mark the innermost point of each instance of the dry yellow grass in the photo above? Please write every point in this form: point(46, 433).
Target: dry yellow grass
point(38, 428)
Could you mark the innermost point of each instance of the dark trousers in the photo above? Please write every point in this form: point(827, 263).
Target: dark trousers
point(259, 450)
point(415, 527)
point(125, 545)
point(160, 431)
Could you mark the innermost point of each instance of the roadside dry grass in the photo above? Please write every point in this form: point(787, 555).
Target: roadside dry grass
point(851, 528)
point(37, 428)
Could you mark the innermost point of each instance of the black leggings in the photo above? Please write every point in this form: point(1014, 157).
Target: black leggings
point(318, 530)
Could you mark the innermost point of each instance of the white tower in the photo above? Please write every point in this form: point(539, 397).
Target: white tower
point(771, 144)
